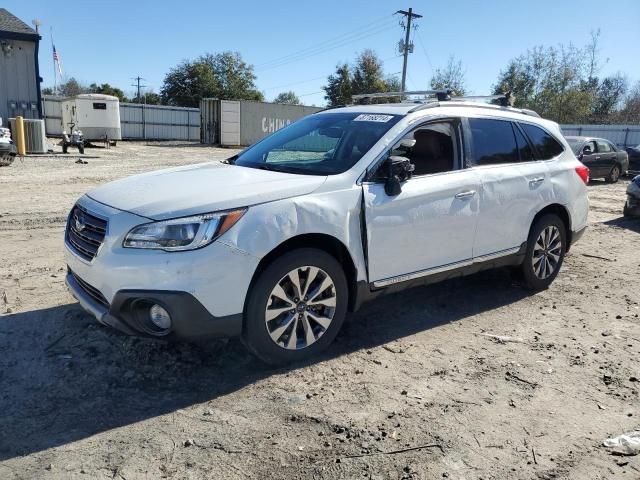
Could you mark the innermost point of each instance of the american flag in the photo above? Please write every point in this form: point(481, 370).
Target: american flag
point(56, 60)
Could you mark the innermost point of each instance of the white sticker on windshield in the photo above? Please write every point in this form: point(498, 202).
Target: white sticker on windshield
point(369, 117)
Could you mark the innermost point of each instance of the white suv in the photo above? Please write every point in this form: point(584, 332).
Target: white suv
point(278, 243)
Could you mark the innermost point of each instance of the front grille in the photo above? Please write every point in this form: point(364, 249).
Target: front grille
point(91, 291)
point(85, 232)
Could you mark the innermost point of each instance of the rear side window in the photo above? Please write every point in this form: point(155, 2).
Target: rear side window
point(526, 154)
point(546, 146)
point(493, 141)
point(603, 147)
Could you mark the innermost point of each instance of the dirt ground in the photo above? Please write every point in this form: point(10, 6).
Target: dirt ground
point(413, 388)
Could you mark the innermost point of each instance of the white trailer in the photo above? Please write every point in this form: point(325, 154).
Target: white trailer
point(96, 115)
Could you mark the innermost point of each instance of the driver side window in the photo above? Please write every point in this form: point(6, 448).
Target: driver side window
point(591, 145)
point(435, 148)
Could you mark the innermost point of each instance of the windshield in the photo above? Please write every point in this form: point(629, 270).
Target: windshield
point(575, 144)
point(324, 144)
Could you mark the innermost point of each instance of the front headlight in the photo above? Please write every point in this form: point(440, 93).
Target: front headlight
point(186, 233)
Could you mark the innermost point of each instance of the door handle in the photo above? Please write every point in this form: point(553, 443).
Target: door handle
point(467, 194)
point(536, 181)
point(598, 158)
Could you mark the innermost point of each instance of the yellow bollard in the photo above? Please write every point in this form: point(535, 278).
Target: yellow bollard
point(20, 143)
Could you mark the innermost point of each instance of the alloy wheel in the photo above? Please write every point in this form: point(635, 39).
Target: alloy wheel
point(615, 174)
point(300, 308)
point(546, 252)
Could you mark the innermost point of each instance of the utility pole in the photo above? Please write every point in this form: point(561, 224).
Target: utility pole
point(138, 86)
point(406, 47)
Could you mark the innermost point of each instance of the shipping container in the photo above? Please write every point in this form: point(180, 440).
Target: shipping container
point(244, 122)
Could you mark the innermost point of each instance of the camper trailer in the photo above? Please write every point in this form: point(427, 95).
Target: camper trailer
point(96, 115)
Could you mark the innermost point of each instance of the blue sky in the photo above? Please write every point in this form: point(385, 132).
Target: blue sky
point(147, 38)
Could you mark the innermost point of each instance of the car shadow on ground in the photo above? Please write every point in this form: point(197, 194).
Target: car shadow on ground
point(628, 223)
point(65, 378)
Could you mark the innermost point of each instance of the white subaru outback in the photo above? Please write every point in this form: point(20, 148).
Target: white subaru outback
point(278, 243)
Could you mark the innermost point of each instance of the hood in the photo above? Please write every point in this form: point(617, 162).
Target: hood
point(201, 188)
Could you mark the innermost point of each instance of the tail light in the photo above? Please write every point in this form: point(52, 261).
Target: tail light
point(583, 173)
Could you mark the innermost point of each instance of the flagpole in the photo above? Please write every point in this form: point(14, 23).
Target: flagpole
point(55, 75)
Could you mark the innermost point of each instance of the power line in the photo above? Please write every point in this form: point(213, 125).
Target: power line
point(426, 54)
point(294, 83)
point(356, 31)
point(319, 51)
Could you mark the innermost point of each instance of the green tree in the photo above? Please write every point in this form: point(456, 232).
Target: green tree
point(550, 81)
point(71, 87)
point(151, 98)
point(223, 75)
point(338, 89)
point(289, 98)
point(107, 89)
point(609, 96)
point(366, 76)
point(452, 77)
point(630, 111)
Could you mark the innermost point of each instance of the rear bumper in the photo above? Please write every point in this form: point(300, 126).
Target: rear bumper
point(126, 313)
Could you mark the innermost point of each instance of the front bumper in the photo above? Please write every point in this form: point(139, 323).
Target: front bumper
point(189, 318)
point(204, 290)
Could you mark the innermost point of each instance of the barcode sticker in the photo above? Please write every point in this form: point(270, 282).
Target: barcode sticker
point(369, 117)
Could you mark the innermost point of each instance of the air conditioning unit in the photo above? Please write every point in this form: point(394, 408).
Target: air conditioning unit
point(34, 135)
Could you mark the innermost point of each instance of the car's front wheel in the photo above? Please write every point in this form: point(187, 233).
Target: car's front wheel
point(296, 306)
point(546, 247)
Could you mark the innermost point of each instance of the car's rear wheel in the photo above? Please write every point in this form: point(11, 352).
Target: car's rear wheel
point(614, 174)
point(296, 306)
point(545, 252)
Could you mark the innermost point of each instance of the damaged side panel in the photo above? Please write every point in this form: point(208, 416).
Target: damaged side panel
point(335, 213)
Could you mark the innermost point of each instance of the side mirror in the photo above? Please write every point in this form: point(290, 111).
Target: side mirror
point(403, 146)
point(398, 170)
point(587, 150)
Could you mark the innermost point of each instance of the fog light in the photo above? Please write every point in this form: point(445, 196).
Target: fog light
point(160, 317)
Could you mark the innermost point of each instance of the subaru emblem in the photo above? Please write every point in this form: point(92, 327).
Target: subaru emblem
point(78, 223)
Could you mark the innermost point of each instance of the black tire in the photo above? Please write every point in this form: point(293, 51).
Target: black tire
point(64, 148)
point(256, 335)
point(625, 210)
point(531, 278)
point(81, 149)
point(614, 174)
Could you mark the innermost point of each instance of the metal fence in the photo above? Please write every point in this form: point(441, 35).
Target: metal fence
point(137, 121)
point(156, 122)
point(621, 135)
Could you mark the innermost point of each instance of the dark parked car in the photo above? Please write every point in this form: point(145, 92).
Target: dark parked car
point(632, 205)
point(601, 156)
point(634, 158)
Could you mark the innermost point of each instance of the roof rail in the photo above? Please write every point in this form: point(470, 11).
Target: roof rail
point(462, 103)
point(504, 99)
point(441, 95)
